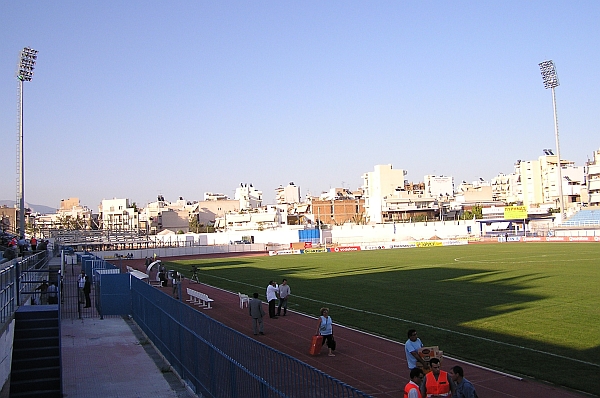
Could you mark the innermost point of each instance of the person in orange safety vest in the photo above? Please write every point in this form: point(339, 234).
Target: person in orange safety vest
point(437, 383)
point(411, 390)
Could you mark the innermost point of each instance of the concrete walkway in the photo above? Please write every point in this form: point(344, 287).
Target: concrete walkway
point(110, 358)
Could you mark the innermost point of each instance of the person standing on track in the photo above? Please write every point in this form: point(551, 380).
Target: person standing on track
point(464, 388)
point(272, 291)
point(284, 292)
point(411, 390)
point(411, 348)
point(256, 312)
point(325, 329)
point(437, 383)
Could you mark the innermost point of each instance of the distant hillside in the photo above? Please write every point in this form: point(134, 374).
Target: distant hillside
point(35, 208)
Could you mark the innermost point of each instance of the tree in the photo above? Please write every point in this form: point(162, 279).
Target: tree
point(194, 225)
point(70, 223)
point(475, 212)
point(198, 228)
point(358, 219)
point(33, 229)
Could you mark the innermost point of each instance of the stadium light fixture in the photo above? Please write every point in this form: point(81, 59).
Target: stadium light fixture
point(27, 61)
point(550, 79)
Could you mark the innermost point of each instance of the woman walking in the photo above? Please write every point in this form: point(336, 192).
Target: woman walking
point(325, 329)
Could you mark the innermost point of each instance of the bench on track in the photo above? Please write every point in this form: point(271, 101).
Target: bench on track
point(200, 299)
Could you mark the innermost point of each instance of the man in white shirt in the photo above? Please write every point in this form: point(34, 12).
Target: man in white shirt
point(272, 291)
point(80, 286)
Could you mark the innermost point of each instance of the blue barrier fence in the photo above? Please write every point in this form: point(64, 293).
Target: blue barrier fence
point(218, 361)
point(18, 278)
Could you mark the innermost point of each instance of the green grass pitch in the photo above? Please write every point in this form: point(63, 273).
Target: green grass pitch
point(529, 309)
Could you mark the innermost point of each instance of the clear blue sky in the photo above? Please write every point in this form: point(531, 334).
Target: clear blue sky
point(138, 98)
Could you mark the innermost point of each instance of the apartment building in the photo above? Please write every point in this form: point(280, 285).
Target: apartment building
point(403, 206)
point(249, 197)
point(439, 186)
point(506, 188)
point(215, 196)
point(118, 215)
point(593, 180)
point(378, 184)
point(9, 218)
point(254, 219)
point(539, 181)
point(287, 195)
point(338, 210)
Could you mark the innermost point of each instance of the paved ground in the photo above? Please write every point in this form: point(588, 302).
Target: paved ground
point(104, 358)
point(372, 364)
point(110, 357)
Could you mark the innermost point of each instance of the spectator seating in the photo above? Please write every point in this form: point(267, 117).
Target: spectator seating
point(583, 218)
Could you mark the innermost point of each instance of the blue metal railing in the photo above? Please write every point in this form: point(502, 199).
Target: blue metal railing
point(16, 280)
point(218, 361)
point(8, 292)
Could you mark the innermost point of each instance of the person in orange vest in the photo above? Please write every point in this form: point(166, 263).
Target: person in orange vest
point(437, 383)
point(411, 390)
point(33, 243)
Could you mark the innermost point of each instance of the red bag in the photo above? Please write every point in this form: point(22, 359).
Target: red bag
point(315, 345)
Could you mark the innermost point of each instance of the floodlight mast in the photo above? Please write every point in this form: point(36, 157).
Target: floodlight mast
point(27, 61)
point(551, 81)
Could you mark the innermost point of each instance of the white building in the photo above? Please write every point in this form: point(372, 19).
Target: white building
point(272, 217)
point(594, 180)
point(506, 188)
point(118, 215)
point(287, 195)
point(539, 181)
point(574, 184)
point(176, 216)
point(377, 186)
point(249, 197)
point(439, 186)
point(214, 196)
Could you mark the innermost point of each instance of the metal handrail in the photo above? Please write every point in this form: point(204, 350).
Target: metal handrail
point(15, 278)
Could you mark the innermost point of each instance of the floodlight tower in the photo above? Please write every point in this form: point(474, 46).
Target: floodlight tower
point(26, 65)
point(551, 81)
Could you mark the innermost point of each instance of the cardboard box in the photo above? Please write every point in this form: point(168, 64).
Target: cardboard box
point(429, 352)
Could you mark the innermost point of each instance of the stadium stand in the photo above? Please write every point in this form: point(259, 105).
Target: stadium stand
point(583, 218)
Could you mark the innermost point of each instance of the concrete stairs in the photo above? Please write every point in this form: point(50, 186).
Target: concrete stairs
point(36, 363)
